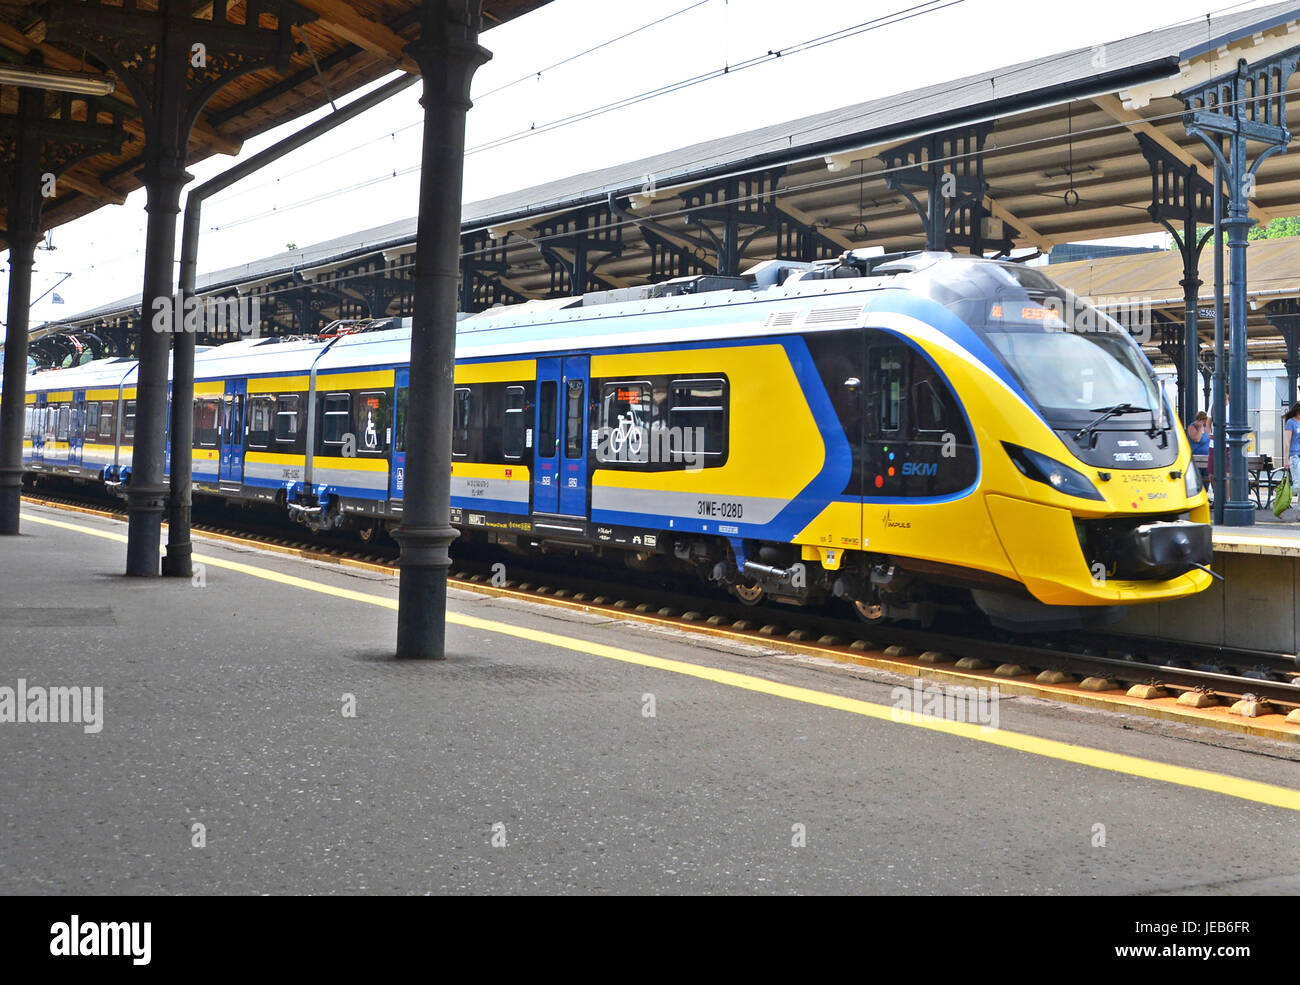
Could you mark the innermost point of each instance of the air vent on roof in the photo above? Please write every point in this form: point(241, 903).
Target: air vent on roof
point(833, 316)
point(780, 319)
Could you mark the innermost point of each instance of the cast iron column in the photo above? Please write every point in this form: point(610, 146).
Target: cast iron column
point(49, 133)
point(22, 197)
point(164, 178)
point(448, 54)
point(1246, 104)
point(173, 56)
point(1220, 433)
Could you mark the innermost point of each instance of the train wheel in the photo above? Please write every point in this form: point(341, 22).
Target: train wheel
point(748, 594)
point(869, 612)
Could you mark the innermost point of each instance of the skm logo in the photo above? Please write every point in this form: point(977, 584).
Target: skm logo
point(921, 468)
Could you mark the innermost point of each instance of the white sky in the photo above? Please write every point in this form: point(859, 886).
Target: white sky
point(105, 250)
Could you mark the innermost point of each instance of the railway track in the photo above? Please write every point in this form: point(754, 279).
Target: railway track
point(1195, 674)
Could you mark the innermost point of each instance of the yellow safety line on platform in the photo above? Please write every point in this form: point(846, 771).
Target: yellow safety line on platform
point(1230, 786)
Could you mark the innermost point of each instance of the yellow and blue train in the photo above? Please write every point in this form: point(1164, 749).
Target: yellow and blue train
point(902, 433)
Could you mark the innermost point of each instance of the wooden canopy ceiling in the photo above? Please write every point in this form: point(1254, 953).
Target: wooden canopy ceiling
point(347, 45)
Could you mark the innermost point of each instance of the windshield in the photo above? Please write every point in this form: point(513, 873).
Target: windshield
point(1073, 361)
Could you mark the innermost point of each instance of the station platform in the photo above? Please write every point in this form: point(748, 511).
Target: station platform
point(1255, 607)
point(555, 750)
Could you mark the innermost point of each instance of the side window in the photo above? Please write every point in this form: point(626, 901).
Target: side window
point(92, 419)
point(106, 413)
point(928, 411)
point(573, 424)
point(934, 410)
point(128, 420)
point(235, 420)
point(372, 419)
point(65, 422)
point(515, 423)
point(399, 419)
point(286, 419)
point(626, 417)
point(460, 411)
point(337, 419)
point(207, 430)
point(27, 421)
point(887, 371)
point(261, 419)
point(546, 418)
point(697, 418)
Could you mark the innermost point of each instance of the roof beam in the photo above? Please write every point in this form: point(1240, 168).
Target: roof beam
point(1113, 108)
point(378, 39)
point(803, 218)
point(87, 184)
point(15, 40)
point(1036, 239)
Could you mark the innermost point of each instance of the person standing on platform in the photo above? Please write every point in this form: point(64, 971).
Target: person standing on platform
point(1198, 432)
point(1291, 424)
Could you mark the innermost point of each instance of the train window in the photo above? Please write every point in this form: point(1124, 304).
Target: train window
point(92, 418)
point(286, 419)
point(888, 363)
point(626, 418)
point(399, 419)
point(697, 418)
point(928, 411)
point(106, 412)
point(207, 430)
point(516, 423)
point(260, 418)
point(235, 420)
point(65, 422)
point(128, 420)
point(376, 432)
point(573, 422)
point(337, 421)
point(460, 421)
point(27, 421)
point(546, 418)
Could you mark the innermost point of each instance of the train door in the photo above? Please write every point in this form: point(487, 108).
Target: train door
point(232, 434)
point(397, 474)
point(38, 430)
point(573, 436)
point(546, 446)
point(77, 428)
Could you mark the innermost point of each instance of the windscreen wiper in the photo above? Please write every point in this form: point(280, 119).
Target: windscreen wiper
point(1106, 414)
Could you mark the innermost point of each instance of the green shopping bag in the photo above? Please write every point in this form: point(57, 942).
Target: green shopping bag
point(1282, 495)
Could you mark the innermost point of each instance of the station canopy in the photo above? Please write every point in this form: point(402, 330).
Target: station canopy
point(1054, 150)
point(339, 47)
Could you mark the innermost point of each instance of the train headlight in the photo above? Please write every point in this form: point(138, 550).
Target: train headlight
point(1037, 466)
point(1192, 481)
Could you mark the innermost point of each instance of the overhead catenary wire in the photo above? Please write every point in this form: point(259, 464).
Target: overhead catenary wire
point(477, 98)
point(832, 181)
point(884, 20)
